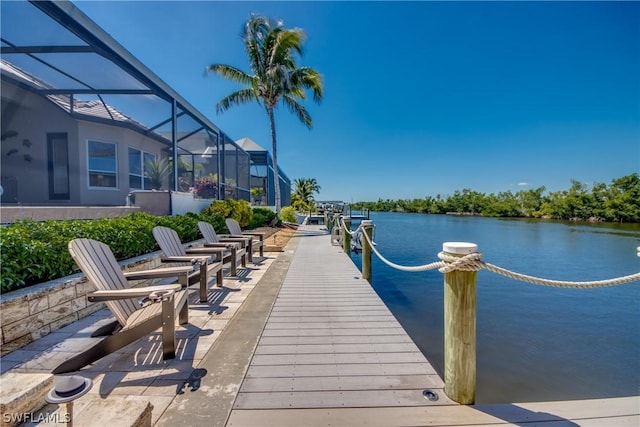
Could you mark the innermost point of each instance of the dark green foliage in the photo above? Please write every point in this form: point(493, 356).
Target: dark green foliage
point(618, 202)
point(33, 252)
point(261, 217)
point(216, 220)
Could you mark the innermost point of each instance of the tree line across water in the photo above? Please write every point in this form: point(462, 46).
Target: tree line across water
point(616, 202)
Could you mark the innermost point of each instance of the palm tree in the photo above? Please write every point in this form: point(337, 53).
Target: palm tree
point(274, 77)
point(303, 193)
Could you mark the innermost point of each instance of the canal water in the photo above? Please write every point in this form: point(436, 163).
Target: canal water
point(534, 343)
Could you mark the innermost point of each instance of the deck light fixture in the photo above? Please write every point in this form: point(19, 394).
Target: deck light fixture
point(430, 395)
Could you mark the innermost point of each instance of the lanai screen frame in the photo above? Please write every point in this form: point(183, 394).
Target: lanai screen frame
point(80, 39)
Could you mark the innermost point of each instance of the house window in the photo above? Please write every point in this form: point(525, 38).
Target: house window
point(102, 164)
point(138, 177)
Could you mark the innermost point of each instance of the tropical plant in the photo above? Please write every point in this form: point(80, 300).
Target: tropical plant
point(275, 76)
point(157, 170)
point(302, 197)
point(256, 193)
point(206, 187)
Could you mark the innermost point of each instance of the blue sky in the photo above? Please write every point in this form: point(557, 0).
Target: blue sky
point(421, 98)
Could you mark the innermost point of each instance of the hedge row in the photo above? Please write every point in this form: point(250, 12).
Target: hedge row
point(34, 252)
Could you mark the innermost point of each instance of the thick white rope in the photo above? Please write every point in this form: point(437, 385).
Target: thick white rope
point(413, 269)
point(473, 262)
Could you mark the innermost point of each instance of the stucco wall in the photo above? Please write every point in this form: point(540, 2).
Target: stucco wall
point(32, 121)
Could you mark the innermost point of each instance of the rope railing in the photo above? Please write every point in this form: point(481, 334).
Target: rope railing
point(459, 262)
point(473, 262)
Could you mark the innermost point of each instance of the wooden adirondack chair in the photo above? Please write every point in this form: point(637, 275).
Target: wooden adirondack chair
point(237, 246)
point(133, 320)
point(210, 260)
point(257, 239)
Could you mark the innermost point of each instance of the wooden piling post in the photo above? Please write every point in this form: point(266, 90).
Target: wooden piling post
point(346, 241)
point(460, 328)
point(367, 226)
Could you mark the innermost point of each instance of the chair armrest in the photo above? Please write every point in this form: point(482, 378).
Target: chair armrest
point(237, 239)
point(223, 245)
point(203, 251)
point(234, 236)
point(193, 259)
point(148, 291)
point(260, 235)
point(158, 273)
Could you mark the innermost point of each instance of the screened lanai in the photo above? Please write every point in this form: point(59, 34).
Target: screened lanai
point(262, 185)
point(84, 121)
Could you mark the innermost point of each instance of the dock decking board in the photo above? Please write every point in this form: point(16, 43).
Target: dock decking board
point(570, 413)
point(331, 353)
point(344, 369)
point(330, 342)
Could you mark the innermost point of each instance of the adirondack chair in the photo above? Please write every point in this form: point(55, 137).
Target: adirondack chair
point(257, 239)
point(210, 260)
point(133, 321)
point(237, 246)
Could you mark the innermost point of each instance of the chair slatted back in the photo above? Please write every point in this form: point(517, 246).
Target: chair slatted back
point(208, 232)
point(233, 226)
point(169, 241)
point(97, 262)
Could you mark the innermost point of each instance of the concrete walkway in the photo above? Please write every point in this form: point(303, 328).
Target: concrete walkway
point(137, 371)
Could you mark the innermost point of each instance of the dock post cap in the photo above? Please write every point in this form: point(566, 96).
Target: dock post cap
point(459, 248)
point(367, 223)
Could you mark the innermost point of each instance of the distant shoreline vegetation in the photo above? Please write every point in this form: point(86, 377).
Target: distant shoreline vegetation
point(617, 202)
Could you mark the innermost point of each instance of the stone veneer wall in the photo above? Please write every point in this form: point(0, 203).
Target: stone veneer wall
point(10, 214)
point(33, 312)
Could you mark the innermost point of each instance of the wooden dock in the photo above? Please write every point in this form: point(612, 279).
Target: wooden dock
point(331, 353)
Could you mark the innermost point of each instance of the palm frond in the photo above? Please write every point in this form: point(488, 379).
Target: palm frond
point(231, 73)
point(283, 44)
point(299, 110)
point(308, 78)
point(255, 29)
point(242, 96)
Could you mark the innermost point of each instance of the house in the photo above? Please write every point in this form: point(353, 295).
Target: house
point(84, 122)
point(262, 176)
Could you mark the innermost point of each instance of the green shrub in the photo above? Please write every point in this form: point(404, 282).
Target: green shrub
point(218, 207)
point(288, 214)
point(240, 210)
point(34, 252)
point(216, 220)
point(261, 217)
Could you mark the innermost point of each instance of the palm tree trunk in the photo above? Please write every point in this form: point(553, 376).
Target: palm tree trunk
point(274, 153)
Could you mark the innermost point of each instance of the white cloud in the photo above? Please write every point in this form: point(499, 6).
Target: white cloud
point(523, 184)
